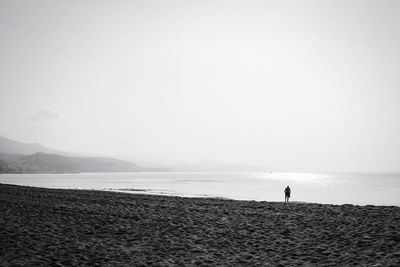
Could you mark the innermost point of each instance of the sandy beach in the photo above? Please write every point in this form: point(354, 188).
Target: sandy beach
point(71, 227)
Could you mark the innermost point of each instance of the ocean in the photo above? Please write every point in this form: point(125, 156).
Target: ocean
point(326, 188)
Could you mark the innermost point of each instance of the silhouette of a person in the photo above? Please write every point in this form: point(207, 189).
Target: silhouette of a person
point(287, 194)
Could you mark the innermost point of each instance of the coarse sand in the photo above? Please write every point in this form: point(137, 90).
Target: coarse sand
point(76, 228)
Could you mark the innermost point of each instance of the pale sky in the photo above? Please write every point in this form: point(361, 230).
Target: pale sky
point(296, 85)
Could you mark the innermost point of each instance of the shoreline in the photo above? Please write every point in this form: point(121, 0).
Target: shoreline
point(358, 190)
point(81, 227)
point(156, 192)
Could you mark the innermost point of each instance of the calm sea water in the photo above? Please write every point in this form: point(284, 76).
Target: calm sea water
point(358, 189)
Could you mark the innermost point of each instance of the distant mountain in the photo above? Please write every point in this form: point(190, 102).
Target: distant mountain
point(40, 159)
point(53, 163)
point(17, 157)
point(9, 146)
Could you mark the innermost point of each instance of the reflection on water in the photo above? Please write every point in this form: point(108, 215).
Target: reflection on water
point(361, 189)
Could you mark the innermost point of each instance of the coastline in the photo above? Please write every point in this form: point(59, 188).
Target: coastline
point(82, 227)
point(312, 188)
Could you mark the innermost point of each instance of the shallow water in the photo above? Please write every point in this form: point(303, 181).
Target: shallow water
point(358, 189)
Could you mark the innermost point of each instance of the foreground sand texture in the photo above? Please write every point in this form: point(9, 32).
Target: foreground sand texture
point(69, 227)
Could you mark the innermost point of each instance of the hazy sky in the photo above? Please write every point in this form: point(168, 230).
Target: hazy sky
point(295, 85)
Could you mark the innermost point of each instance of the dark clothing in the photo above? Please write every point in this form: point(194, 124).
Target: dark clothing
point(287, 192)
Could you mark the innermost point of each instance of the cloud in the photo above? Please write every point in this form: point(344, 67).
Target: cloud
point(45, 114)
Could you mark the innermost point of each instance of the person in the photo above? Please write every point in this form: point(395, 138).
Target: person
point(287, 194)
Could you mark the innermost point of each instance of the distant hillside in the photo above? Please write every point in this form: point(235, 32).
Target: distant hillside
point(20, 157)
point(52, 163)
point(9, 146)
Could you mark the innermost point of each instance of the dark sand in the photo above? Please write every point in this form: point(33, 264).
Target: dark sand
point(70, 227)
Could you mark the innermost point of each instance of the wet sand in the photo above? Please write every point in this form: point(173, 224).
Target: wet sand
point(72, 227)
